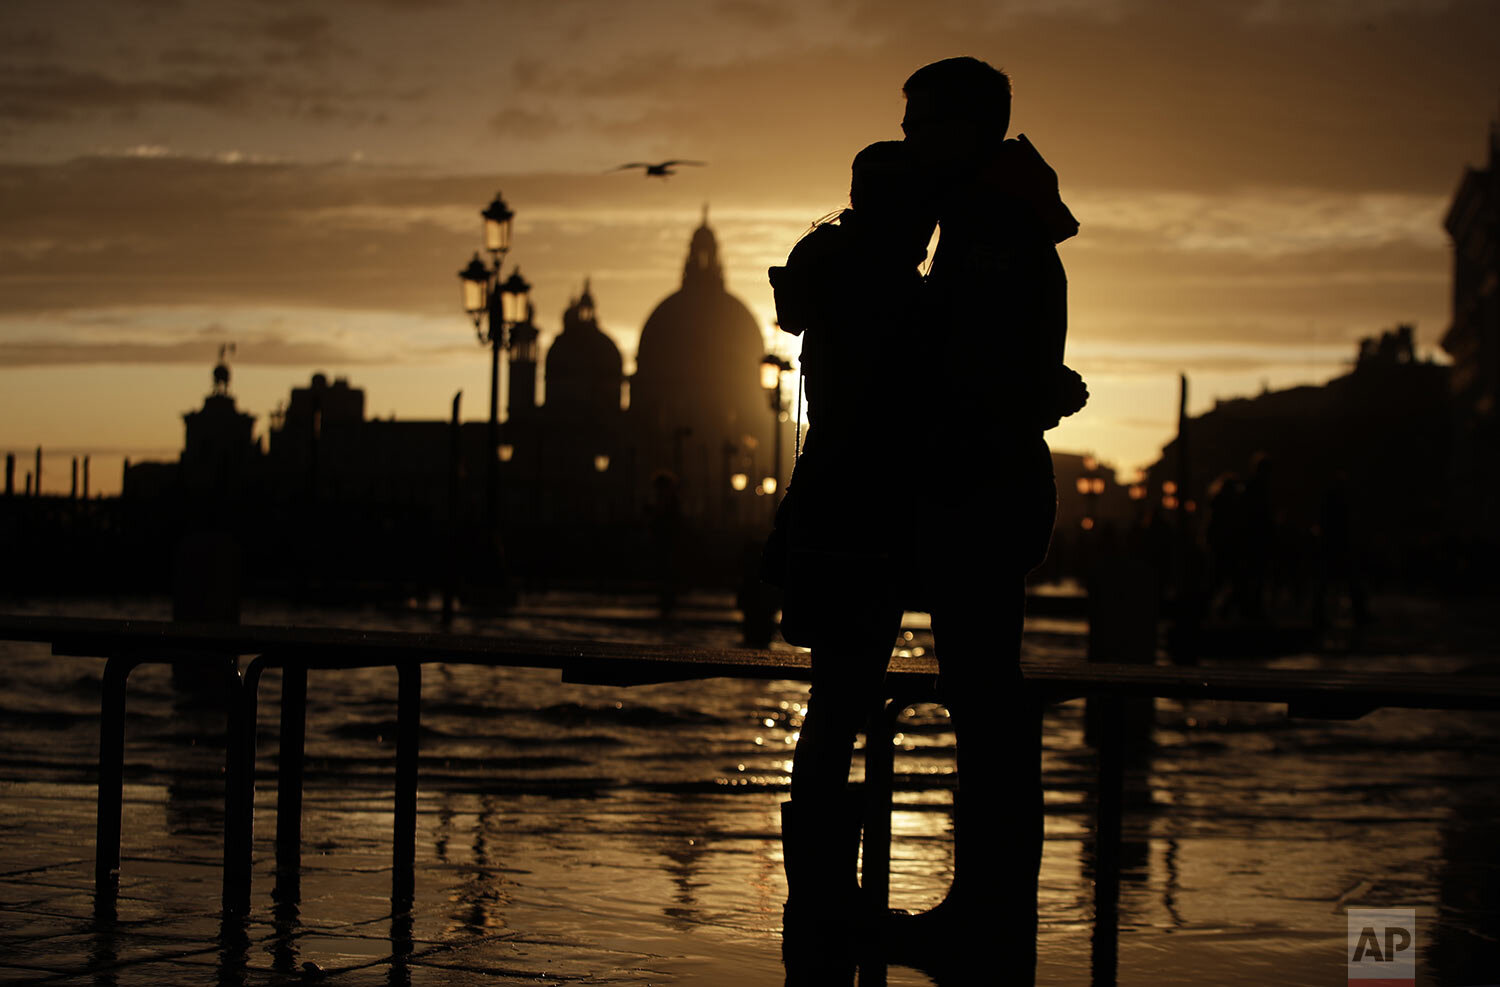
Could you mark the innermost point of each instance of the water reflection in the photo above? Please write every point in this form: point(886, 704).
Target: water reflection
point(399, 974)
point(104, 952)
point(234, 950)
point(566, 813)
point(286, 924)
point(684, 863)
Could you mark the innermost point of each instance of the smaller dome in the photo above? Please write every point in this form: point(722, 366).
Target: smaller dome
point(584, 367)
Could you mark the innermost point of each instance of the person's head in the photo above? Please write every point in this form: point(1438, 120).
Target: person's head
point(957, 112)
point(888, 194)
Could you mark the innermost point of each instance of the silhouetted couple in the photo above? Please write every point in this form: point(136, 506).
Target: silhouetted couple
point(926, 484)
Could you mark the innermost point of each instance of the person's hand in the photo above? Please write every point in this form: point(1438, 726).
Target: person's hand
point(1069, 395)
point(1072, 392)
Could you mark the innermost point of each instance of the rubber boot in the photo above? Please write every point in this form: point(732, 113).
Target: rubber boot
point(820, 847)
point(996, 859)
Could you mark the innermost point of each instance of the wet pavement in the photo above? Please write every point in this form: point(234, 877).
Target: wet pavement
point(571, 834)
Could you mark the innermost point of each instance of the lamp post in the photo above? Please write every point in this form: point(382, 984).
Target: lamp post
point(771, 369)
point(495, 306)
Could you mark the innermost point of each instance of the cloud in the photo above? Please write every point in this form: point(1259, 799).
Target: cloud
point(515, 121)
point(763, 14)
point(53, 92)
point(31, 42)
point(1259, 221)
point(268, 349)
point(1294, 266)
point(305, 37)
point(190, 55)
point(1139, 95)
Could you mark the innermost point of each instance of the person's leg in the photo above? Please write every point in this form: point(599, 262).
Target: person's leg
point(847, 674)
point(978, 608)
point(820, 825)
point(998, 824)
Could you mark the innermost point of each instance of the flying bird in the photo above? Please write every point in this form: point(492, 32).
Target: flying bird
point(659, 170)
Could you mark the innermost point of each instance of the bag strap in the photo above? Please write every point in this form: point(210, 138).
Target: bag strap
point(797, 445)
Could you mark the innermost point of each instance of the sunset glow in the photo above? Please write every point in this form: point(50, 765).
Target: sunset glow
point(1258, 185)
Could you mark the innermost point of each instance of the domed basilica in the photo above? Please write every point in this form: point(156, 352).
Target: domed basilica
point(585, 480)
point(696, 409)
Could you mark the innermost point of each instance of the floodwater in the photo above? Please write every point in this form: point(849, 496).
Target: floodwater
point(603, 835)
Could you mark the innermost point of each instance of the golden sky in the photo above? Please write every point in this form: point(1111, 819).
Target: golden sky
point(1259, 183)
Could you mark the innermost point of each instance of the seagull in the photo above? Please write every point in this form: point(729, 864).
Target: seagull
point(659, 170)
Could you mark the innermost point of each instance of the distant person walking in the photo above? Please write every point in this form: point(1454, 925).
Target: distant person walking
point(997, 295)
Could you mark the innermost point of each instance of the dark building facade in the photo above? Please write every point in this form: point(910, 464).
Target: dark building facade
point(1473, 340)
point(1379, 436)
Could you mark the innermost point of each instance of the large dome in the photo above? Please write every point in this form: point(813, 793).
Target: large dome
point(700, 350)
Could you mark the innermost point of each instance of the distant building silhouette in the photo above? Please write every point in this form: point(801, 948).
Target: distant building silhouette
point(1381, 432)
point(576, 469)
point(584, 371)
point(1473, 340)
point(220, 455)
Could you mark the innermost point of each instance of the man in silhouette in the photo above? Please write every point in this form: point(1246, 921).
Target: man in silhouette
point(997, 297)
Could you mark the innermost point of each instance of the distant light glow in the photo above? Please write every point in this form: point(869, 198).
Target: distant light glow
point(770, 375)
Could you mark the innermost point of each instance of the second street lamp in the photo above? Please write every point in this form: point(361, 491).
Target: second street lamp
point(476, 283)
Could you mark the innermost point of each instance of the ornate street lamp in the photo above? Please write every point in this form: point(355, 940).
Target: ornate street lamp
point(496, 307)
point(515, 299)
point(770, 372)
point(476, 286)
point(497, 219)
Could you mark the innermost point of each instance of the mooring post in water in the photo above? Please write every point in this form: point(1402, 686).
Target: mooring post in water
point(73, 491)
point(408, 736)
point(450, 549)
point(10, 474)
point(85, 478)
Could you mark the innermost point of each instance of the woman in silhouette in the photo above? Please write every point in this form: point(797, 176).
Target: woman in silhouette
point(851, 289)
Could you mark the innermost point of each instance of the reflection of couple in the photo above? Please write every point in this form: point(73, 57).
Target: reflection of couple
point(953, 379)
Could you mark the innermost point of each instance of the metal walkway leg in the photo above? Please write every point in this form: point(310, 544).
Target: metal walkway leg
point(239, 786)
point(408, 736)
point(111, 782)
point(289, 776)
